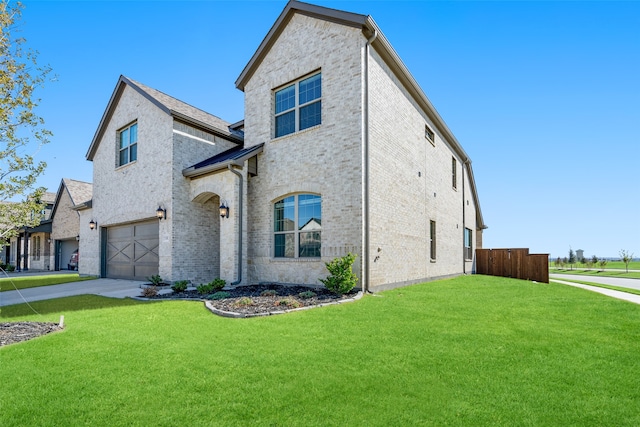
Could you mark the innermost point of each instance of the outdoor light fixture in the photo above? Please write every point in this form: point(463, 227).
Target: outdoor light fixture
point(224, 211)
point(161, 213)
point(92, 224)
point(78, 237)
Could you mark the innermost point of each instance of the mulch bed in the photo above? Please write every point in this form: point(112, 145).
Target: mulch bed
point(247, 301)
point(11, 333)
point(244, 301)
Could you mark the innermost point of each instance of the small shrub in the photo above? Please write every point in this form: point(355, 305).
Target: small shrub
point(307, 294)
point(155, 280)
point(205, 289)
point(342, 278)
point(219, 295)
point(217, 284)
point(290, 303)
point(180, 286)
point(149, 291)
point(243, 302)
point(269, 293)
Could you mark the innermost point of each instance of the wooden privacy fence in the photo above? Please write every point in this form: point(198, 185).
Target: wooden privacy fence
point(516, 263)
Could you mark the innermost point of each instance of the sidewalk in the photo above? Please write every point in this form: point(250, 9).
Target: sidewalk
point(608, 292)
point(112, 288)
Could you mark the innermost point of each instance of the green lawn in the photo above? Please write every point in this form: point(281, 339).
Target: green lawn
point(13, 283)
point(470, 351)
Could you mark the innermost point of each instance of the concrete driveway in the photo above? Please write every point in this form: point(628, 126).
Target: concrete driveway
point(104, 287)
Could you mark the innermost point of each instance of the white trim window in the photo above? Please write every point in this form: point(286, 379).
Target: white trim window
point(298, 226)
point(128, 145)
point(298, 106)
point(468, 245)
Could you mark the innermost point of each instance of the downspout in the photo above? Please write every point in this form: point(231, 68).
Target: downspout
point(365, 108)
point(240, 217)
point(464, 229)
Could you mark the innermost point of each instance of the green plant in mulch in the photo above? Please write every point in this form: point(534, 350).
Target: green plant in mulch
point(155, 280)
point(243, 302)
point(205, 289)
point(219, 295)
point(289, 303)
point(307, 294)
point(342, 278)
point(217, 284)
point(269, 293)
point(180, 286)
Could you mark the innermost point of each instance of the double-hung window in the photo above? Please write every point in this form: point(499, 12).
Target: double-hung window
point(298, 106)
point(298, 226)
point(128, 151)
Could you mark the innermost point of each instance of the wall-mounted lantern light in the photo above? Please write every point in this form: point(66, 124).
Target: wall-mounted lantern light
point(224, 210)
point(78, 237)
point(92, 224)
point(161, 213)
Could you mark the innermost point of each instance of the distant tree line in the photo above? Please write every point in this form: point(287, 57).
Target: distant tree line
point(625, 256)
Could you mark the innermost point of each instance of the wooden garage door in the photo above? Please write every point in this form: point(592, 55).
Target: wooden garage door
point(132, 251)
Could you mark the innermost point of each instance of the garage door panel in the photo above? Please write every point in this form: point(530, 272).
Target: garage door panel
point(132, 251)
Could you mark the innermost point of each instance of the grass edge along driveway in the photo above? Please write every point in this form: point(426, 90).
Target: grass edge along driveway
point(12, 283)
point(474, 350)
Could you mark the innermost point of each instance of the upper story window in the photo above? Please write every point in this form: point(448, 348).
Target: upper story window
point(429, 134)
point(454, 173)
point(298, 226)
point(432, 240)
point(128, 151)
point(298, 106)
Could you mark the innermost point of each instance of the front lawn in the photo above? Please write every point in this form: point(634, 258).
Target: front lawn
point(475, 350)
point(13, 283)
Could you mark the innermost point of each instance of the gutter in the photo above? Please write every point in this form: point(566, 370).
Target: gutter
point(366, 165)
point(464, 229)
point(240, 216)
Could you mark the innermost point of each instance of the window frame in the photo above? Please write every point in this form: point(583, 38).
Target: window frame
point(130, 147)
point(432, 240)
point(454, 173)
point(297, 106)
point(468, 244)
point(430, 135)
point(297, 232)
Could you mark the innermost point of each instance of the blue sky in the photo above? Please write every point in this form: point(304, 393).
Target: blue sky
point(543, 96)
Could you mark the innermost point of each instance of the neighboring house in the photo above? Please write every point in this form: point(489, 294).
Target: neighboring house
point(29, 250)
point(65, 231)
point(341, 152)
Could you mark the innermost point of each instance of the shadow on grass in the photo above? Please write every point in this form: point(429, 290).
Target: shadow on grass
point(65, 305)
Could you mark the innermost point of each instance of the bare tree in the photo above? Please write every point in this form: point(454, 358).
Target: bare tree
point(626, 257)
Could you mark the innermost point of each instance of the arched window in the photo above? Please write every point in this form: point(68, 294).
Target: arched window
point(298, 226)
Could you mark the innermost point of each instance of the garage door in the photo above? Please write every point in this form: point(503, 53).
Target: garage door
point(132, 251)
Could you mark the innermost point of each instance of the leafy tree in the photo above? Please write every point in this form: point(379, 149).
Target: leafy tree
point(594, 260)
point(21, 129)
point(626, 257)
point(572, 258)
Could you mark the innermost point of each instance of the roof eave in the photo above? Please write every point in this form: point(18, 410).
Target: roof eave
point(193, 173)
point(333, 15)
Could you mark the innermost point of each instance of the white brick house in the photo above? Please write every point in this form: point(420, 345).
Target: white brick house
point(342, 152)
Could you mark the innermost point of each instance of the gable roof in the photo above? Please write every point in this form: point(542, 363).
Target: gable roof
point(370, 30)
point(179, 110)
point(79, 192)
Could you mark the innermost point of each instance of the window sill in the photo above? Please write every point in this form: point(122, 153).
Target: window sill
point(277, 260)
point(432, 261)
point(126, 165)
point(300, 132)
